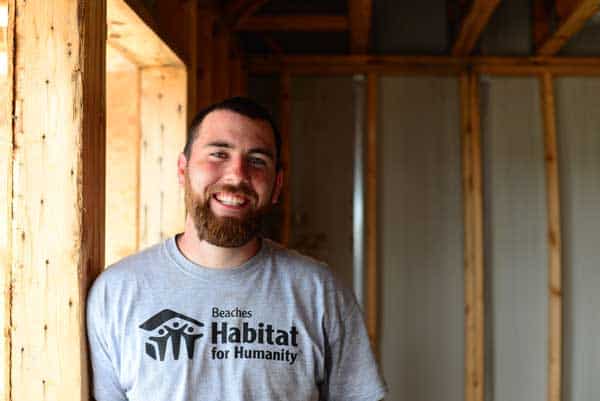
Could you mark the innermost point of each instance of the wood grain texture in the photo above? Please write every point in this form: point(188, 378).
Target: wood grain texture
point(360, 16)
point(58, 188)
point(163, 125)
point(122, 163)
point(555, 292)
point(569, 26)
point(6, 168)
point(474, 263)
point(473, 25)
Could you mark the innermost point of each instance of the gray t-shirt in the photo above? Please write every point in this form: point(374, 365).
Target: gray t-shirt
point(278, 327)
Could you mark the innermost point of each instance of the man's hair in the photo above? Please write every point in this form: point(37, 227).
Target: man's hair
point(240, 105)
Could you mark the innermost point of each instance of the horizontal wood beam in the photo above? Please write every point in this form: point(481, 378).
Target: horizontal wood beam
point(422, 65)
point(238, 11)
point(360, 13)
point(472, 25)
point(569, 26)
point(304, 22)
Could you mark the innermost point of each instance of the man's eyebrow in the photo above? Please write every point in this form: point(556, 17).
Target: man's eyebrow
point(261, 151)
point(219, 145)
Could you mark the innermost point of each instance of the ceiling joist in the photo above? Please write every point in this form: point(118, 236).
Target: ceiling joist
point(472, 25)
point(282, 23)
point(359, 16)
point(580, 12)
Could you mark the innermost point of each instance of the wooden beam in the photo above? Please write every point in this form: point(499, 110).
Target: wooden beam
point(474, 261)
point(568, 27)
point(58, 193)
point(238, 11)
point(422, 65)
point(6, 170)
point(372, 274)
point(541, 22)
point(204, 75)
point(220, 69)
point(285, 86)
point(122, 163)
point(283, 23)
point(360, 16)
point(163, 124)
point(472, 26)
point(554, 240)
point(129, 33)
point(238, 71)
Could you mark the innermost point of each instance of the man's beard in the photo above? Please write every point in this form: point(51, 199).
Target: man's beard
point(224, 231)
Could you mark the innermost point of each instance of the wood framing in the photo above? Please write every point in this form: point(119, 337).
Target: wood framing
point(472, 26)
point(221, 62)
point(541, 21)
point(473, 218)
point(285, 127)
point(238, 72)
point(6, 168)
point(422, 65)
point(554, 240)
point(205, 65)
point(129, 33)
point(163, 127)
point(360, 15)
point(372, 274)
point(58, 193)
point(569, 26)
point(238, 11)
point(306, 22)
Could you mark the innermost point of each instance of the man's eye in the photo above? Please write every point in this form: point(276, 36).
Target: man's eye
point(219, 155)
point(257, 161)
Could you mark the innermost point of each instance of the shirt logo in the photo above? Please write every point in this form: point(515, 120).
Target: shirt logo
point(169, 326)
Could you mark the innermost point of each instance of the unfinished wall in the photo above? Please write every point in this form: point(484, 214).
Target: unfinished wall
point(421, 238)
point(515, 239)
point(578, 124)
point(322, 170)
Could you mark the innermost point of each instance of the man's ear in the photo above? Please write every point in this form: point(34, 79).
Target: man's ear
point(278, 186)
point(181, 167)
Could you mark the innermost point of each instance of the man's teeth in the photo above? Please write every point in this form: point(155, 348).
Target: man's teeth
point(230, 200)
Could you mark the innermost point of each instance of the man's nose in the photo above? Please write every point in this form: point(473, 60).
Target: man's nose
point(237, 171)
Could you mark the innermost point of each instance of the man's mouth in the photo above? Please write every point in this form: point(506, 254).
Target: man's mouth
point(231, 200)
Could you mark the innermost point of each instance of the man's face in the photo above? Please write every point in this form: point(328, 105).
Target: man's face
point(230, 179)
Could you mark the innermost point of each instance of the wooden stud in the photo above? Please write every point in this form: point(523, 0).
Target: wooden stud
point(6, 168)
point(286, 115)
point(572, 24)
point(372, 274)
point(302, 22)
point(472, 26)
point(122, 163)
point(130, 34)
point(58, 193)
point(359, 16)
point(239, 77)
point(221, 55)
point(541, 21)
point(205, 75)
point(163, 124)
point(554, 240)
point(474, 262)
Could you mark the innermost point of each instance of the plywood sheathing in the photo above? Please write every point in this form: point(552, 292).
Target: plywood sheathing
point(555, 293)
point(473, 226)
point(163, 125)
point(6, 162)
point(58, 193)
point(122, 162)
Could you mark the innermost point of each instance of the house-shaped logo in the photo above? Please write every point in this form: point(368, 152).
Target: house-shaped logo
point(168, 326)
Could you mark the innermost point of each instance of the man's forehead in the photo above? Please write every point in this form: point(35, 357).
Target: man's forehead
point(232, 127)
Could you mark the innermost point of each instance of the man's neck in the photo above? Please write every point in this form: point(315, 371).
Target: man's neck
point(206, 254)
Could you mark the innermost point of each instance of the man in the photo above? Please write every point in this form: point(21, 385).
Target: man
point(217, 312)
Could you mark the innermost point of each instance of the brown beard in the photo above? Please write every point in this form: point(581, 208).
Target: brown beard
point(227, 232)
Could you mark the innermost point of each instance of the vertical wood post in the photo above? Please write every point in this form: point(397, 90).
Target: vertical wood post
point(205, 75)
point(286, 111)
point(554, 240)
point(58, 192)
point(372, 297)
point(473, 218)
point(221, 62)
point(6, 162)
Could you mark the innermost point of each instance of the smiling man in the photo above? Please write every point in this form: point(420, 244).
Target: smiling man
point(218, 312)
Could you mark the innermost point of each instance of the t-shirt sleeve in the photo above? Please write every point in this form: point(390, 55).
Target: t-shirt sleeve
point(352, 372)
point(105, 379)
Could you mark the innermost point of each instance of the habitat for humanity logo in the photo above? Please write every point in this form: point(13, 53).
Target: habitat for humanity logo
point(169, 326)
